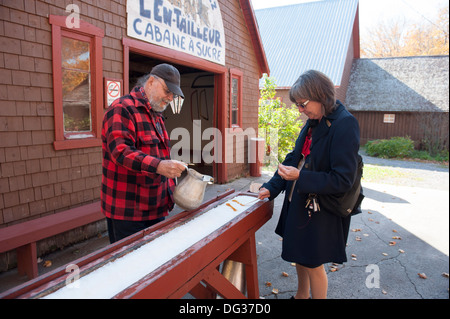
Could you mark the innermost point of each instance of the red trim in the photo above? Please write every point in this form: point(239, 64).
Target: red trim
point(92, 34)
point(236, 74)
point(220, 93)
point(356, 40)
point(252, 26)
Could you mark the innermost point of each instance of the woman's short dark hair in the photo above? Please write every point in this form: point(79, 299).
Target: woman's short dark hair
point(314, 86)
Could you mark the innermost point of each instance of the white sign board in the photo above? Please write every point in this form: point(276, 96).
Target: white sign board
point(194, 27)
point(113, 91)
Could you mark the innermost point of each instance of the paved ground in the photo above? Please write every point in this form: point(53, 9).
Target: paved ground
point(402, 232)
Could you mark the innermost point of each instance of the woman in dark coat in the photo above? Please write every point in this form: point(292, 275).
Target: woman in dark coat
point(329, 144)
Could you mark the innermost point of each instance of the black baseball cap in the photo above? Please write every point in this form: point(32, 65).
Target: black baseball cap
point(170, 75)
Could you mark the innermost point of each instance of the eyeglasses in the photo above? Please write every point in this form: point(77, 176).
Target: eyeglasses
point(165, 88)
point(303, 105)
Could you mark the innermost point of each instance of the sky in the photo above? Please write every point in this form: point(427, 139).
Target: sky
point(372, 12)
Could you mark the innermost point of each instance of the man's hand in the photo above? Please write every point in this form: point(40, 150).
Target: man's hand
point(171, 168)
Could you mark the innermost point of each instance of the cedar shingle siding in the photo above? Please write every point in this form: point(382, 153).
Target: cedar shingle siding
point(37, 180)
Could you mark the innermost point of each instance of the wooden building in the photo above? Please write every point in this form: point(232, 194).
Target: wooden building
point(62, 64)
point(403, 96)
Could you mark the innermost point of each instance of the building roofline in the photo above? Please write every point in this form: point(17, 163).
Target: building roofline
point(252, 25)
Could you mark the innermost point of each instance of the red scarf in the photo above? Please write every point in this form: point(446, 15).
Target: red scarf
point(307, 144)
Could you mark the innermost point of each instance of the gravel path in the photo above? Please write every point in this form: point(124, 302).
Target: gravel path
point(412, 173)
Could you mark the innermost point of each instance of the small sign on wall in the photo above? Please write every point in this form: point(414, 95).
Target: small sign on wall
point(389, 118)
point(113, 90)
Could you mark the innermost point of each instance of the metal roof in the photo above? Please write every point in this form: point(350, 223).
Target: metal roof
point(313, 35)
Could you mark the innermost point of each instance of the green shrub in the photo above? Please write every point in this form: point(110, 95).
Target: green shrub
point(393, 147)
point(278, 124)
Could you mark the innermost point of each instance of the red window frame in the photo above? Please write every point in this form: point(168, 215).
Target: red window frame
point(236, 74)
point(94, 35)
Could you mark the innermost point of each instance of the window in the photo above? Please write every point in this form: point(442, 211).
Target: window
point(77, 84)
point(235, 98)
point(389, 118)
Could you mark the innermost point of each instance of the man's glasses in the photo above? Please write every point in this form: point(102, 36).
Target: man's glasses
point(165, 88)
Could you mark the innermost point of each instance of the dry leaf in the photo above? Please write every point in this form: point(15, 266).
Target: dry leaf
point(285, 274)
point(392, 243)
point(356, 229)
point(394, 231)
point(396, 237)
point(384, 292)
point(293, 264)
point(333, 269)
point(353, 255)
point(384, 254)
point(47, 263)
point(275, 291)
point(422, 275)
point(401, 251)
point(445, 274)
point(268, 284)
point(357, 238)
point(369, 212)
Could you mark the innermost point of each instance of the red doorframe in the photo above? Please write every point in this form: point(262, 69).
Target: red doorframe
point(176, 57)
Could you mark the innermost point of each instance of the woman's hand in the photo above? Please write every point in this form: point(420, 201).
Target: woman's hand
point(263, 193)
point(288, 173)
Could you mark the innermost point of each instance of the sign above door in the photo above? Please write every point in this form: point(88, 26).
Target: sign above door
point(194, 27)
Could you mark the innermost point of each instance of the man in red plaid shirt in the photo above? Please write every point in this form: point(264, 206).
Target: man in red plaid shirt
point(137, 180)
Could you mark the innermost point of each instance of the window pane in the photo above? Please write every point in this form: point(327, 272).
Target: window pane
point(76, 87)
point(234, 118)
point(234, 100)
point(76, 101)
point(75, 54)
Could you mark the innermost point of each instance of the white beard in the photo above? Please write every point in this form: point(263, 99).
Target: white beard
point(157, 108)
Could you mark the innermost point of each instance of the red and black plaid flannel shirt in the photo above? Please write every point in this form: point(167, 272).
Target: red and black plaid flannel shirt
point(134, 141)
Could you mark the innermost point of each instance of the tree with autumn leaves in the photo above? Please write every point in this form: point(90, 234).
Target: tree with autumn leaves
point(398, 38)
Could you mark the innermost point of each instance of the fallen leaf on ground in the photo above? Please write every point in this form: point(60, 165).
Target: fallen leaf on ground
point(401, 251)
point(445, 274)
point(268, 284)
point(422, 275)
point(275, 291)
point(392, 243)
point(47, 263)
point(285, 274)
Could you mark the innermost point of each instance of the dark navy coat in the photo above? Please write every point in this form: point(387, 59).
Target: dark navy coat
point(330, 168)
